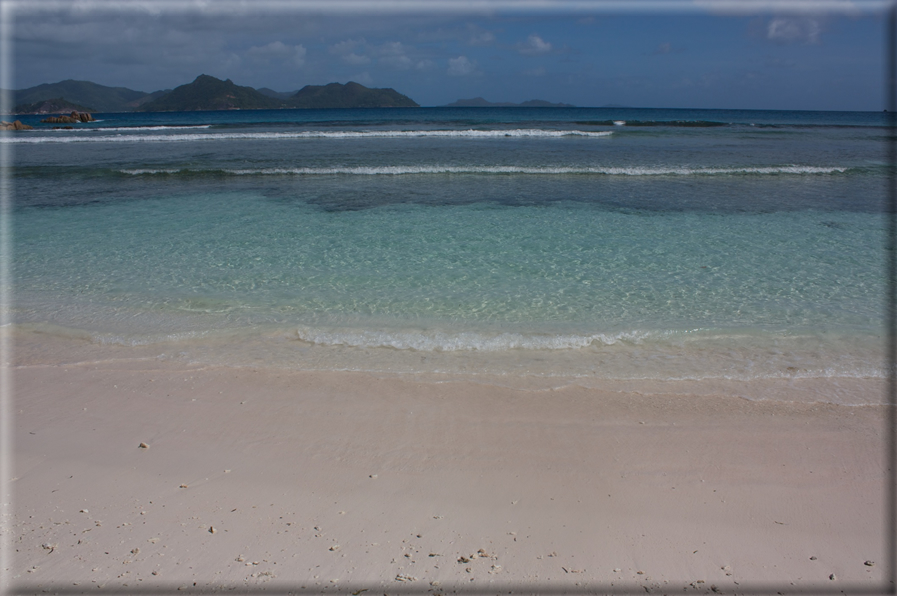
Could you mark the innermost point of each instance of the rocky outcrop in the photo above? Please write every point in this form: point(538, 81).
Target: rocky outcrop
point(73, 118)
point(17, 125)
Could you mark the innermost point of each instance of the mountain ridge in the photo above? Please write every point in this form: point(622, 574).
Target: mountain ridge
point(205, 92)
point(350, 95)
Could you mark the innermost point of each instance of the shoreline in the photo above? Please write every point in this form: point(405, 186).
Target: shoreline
point(311, 477)
point(523, 370)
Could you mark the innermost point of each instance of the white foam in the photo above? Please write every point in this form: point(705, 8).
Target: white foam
point(144, 128)
point(175, 138)
point(466, 341)
point(145, 171)
point(442, 169)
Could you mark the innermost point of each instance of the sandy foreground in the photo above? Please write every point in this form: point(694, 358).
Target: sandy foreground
point(266, 480)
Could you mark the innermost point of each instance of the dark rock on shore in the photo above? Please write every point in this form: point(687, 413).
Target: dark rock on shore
point(73, 118)
point(17, 125)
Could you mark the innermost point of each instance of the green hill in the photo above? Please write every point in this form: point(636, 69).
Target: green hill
point(276, 94)
point(350, 95)
point(204, 93)
point(134, 105)
point(51, 106)
point(84, 93)
point(209, 93)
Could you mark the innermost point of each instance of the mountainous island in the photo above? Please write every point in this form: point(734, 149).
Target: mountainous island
point(51, 106)
point(204, 93)
point(479, 102)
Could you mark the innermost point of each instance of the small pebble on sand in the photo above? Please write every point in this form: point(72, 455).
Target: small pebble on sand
point(212, 530)
point(143, 446)
point(869, 563)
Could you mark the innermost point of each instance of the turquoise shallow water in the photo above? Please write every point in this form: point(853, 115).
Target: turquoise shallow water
point(522, 242)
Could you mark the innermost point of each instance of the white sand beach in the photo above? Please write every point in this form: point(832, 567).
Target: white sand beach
point(348, 481)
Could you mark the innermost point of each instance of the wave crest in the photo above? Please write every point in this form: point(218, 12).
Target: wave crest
point(444, 169)
point(439, 341)
point(345, 134)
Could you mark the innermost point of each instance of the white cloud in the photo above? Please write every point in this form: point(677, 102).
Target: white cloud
point(533, 46)
point(354, 58)
point(397, 62)
point(788, 30)
point(479, 37)
point(278, 50)
point(391, 48)
point(346, 47)
point(461, 66)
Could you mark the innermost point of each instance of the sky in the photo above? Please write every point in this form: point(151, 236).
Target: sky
point(811, 55)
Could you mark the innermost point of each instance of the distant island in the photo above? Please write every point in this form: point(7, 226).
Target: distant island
point(350, 95)
point(52, 106)
point(204, 93)
point(479, 102)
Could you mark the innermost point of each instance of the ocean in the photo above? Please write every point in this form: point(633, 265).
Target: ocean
point(586, 245)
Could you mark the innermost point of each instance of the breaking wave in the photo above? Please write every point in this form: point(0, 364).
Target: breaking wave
point(345, 134)
point(440, 169)
point(452, 342)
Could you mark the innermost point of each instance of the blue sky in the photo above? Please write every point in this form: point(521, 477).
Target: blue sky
point(586, 54)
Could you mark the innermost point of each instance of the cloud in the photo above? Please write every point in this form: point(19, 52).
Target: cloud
point(346, 51)
point(794, 29)
point(461, 66)
point(397, 62)
point(277, 50)
point(354, 58)
point(391, 54)
point(346, 47)
point(478, 36)
point(534, 46)
point(390, 48)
